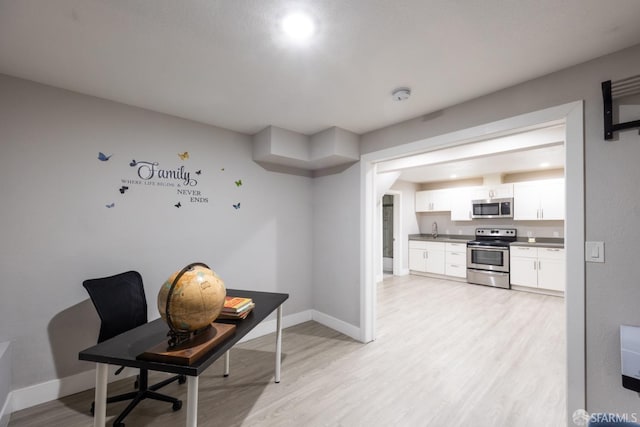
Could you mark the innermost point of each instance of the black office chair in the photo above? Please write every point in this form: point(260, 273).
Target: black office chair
point(121, 304)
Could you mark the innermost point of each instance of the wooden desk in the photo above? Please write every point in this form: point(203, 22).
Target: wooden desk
point(123, 349)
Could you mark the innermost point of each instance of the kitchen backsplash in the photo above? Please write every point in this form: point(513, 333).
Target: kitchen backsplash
point(446, 226)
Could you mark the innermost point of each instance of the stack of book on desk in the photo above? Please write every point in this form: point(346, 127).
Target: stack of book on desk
point(236, 308)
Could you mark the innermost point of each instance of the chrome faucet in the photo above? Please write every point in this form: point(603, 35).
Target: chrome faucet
point(434, 229)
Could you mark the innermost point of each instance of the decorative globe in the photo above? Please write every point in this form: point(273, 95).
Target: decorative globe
point(191, 299)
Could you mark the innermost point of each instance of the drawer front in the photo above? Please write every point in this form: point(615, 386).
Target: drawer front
point(459, 258)
point(455, 247)
point(524, 251)
point(456, 270)
point(551, 253)
point(417, 244)
point(435, 246)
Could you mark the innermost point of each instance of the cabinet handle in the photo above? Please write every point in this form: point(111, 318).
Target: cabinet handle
point(541, 213)
point(539, 265)
point(537, 213)
point(553, 250)
point(534, 264)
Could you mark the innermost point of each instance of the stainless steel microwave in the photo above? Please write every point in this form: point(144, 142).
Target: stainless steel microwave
point(492, 208)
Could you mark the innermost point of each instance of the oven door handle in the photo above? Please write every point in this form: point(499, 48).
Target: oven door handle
point(489, 248)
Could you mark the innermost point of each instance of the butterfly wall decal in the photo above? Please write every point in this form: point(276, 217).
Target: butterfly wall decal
point(133, 163)
point(177, 205)
point(184, 156)
point(110, 205)
point(237, 206)
point(123, 189)
point(103, 157)
point(198, 172)
point(238, 183)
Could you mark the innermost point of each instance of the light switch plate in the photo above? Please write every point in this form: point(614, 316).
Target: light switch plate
point(594, 251)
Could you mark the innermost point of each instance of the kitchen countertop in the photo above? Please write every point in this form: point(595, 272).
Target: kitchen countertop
point(543, 242)
point(445, 238)
point(546, 243)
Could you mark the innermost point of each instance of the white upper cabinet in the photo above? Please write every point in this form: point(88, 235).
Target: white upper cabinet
point(498, 191)
point(433, 201)
point(461, 204)
point(532, 201)
point(539, 200)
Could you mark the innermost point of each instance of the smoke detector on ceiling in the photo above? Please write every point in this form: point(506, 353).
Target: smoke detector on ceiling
point(401, 94)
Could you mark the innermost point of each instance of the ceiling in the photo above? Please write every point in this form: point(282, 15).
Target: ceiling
point(534, 150)
point(226, 62)
point(531, 160)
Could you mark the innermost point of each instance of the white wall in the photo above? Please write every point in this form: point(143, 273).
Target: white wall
point(612, 204)
point(57, 231)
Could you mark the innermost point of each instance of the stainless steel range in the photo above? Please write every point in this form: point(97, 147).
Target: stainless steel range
point(488, 257)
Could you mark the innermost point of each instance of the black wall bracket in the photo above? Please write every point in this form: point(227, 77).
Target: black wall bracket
point(610, 92)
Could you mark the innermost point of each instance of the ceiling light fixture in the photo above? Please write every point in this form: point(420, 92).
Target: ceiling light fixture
point(401, 94)
point(453, 176)
point(298, 26)
point(544, 164)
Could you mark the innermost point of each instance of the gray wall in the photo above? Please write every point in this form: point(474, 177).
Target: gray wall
point(336, 245)
point(612, 202)
point(57, 231)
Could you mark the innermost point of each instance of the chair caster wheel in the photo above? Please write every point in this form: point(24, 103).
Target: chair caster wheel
point(177, 405)
point(93, 408)
point(182, 379)
point(119, 425)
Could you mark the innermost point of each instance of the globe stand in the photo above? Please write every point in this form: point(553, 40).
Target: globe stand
point(194, 349)
point(177, 338)
point(176, 335)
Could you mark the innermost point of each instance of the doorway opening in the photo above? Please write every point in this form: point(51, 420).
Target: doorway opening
point(387, 234)
point(571, 115)
point(391, 256)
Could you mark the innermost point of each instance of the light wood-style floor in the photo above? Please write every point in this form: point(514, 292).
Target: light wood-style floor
point(447, 354)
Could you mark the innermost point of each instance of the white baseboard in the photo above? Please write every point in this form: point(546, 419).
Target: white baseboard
point(36, 394)
point(269, 326)
point(50, 390)
point(336, 324)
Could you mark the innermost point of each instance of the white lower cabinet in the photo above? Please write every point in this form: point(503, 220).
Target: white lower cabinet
point(426, 257)
point(538, 267)
point(438, 258)
point(455, 259)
